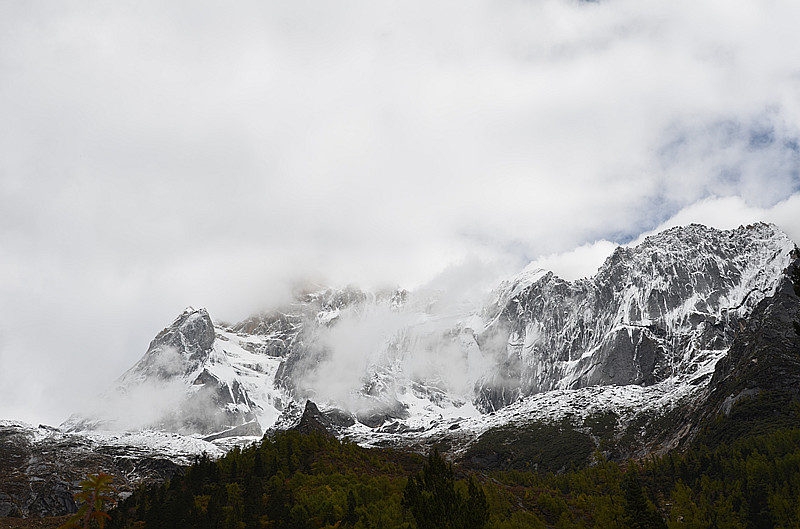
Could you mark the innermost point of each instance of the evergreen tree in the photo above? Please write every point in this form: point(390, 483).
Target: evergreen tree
point(351, 516)
point(639, 512)
point(476, 513)
point(258, 465)
point(759, 516)
point(434, 502)
point(796, 284)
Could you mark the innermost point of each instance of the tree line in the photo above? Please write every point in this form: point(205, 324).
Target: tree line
point(314, 481)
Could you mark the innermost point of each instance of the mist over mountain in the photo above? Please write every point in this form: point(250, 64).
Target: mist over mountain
point(656, 315)
point(482, 228)
point(691, 327)
point(657, 310)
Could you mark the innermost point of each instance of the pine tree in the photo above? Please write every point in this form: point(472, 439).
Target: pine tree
point(351, 516)
point(477, 508)
point(434, 502)
point(639, 512)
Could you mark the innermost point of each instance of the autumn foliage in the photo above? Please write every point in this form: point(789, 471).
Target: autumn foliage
point(94, 499)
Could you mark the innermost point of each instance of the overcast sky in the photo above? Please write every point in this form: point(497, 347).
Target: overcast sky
point(155, 155)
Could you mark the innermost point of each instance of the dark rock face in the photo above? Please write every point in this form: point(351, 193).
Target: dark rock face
point(332, 421)
point(765, 356)
point(215, 408)
point(754, 389)
point(756, 385)
point(281, 327)
point(314, 422)
point(377, 415)
point(642, 318)
point(627, 356)
point(339, 418)
point(766, 352)
point(41, 469)
point(175, 365)
point(179, 349)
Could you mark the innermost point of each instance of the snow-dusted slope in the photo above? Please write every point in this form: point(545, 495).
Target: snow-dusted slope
point(663, 308)
point(632, 349)
point(42, 467)
point(194, 378)
point(643, 333)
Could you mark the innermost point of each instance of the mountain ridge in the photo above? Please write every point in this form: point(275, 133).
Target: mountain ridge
point(690, 327)
point(666, 308)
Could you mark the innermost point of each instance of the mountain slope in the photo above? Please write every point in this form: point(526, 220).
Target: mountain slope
point(645, 332)
point(756, 386)
point(194, 378)
point(688, 335)
point(660, 309)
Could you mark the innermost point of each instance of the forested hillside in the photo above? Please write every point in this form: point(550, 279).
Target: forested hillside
point(310, 481)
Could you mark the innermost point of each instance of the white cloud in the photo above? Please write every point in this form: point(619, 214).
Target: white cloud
point(578, 263)
point(155, 156)
point(728, 213)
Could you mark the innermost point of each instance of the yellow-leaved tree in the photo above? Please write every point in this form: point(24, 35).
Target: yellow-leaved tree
point(95, 499)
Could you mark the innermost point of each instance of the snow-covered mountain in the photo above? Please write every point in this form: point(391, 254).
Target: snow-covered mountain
point(195, 378)
point(667, 336)
point(661, 309)
point(647, 328)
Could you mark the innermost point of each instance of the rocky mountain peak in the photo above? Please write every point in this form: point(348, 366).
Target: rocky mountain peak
point(670, 333)
point(664, 310)
point(656, 310)
point(178, 350)
point(313, 421)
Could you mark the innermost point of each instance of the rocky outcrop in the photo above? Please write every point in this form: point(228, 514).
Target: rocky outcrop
point(41, 468)
point(763, 363)
point(177, 386)
point(314, 422)
point(649, 313)
point(662, 309)
point(629, 352)
point(177, 351)
point(766, 351)
point(250, 429)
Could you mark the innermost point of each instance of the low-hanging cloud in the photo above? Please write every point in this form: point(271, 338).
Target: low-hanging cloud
point(158, 396)
point(583, 261)
point(149, 405)
point(157, 156)
point(371, 353)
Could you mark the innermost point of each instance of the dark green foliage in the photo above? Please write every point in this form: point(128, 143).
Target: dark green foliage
point(757, 415)
point(351, 517)
point(796, 283)
point(290, 481)
point(602, 424)
point(537, 446)
point(639, 512)
point(751, 481)
point(432, 498)
point(476, 512)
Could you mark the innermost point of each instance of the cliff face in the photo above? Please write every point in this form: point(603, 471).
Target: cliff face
point(664, 310)
point(688, 327)
point(660, 309)
point(762, 367)
point(186, 382)
point(42, 467)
